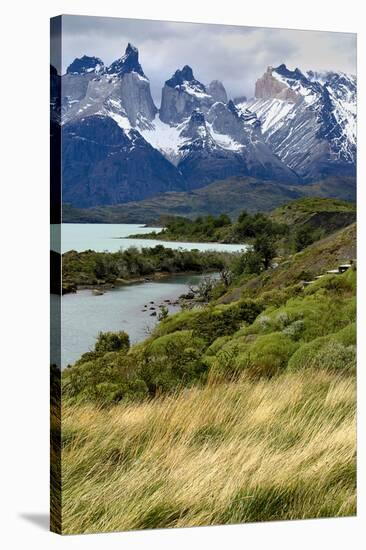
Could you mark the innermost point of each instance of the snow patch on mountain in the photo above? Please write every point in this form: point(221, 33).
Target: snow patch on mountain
point(298, 83)
point(299, 125)
point(192, 89)
point(271, 112)
point(224, 140)
point(165, 138)
point(122, 120)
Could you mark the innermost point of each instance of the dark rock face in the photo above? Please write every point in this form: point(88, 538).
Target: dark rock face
point(180, 78)
point(115, 149)
point(196, 127)
point(181, 95)
point(217, 91)
point(320, 121)
point(85, 64)
point(202, 166)
point(103, 165)
point(122, 89)
point(205, 160)
point(128, 63)
point(55, 145)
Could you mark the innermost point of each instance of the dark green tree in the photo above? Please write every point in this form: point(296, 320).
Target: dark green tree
point(264, 246)
point(303, 238)
point(112, 341)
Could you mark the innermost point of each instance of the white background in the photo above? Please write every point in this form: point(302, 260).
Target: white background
point(24, 272)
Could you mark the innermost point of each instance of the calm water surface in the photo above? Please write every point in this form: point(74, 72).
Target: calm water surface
point(84, 315)
point(112, 237)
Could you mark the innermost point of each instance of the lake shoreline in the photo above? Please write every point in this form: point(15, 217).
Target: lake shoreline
point(114, 237)
point(166, 239)
point(157, 276)
point(133, 308)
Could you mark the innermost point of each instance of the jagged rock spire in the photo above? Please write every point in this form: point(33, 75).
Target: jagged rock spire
point(180, 77)
point(128, 63)
point(217, 91)
point(85, 64)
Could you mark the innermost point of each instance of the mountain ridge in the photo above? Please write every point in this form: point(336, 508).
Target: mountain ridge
point(203, 135)
point(230, 196)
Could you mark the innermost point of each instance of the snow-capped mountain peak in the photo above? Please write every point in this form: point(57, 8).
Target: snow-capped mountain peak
point(184, 81)
point(181, 95)
point(300, 126)
point(128, 63)
point(85, 64)
point(308, 118)
point(197, 135)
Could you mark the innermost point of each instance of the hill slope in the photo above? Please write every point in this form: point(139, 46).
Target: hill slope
point(245, 452)
point(229, 413)
point(328, 253)
point(230, 196)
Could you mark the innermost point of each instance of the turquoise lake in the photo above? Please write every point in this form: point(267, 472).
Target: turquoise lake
point(84, 315)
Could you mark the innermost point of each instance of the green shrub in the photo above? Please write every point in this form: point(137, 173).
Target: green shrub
point(324, 353)
point(171, 361)
point(348, 335)
point(304, 236)
point(334, 284)
point(108, 379)
point(176, 341)
point(295, 329)
point(211, 322)
point(267, 355)
point(217, 345)
point(248, 263)
point(183, 320)
point(112, 341)
point(225, 363)
point(214, 322)
point(277, 297)
point(320, 315)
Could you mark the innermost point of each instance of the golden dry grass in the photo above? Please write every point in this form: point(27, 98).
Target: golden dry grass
point(226, 453)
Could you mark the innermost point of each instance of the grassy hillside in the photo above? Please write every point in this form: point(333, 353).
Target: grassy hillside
point(230, 196)
point(239, 410)
point(316, 213)
point(296, 224)
point(328, 253)
point(227, 453)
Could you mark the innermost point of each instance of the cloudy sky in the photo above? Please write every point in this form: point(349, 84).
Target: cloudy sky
point(235, 55)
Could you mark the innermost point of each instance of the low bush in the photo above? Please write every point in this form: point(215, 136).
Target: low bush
point(172, 361)
point(347, 336)
point(112, 341)
point(217, 345)
point(326, 352)
point(267, 355)
point(225, 363)
point(107, 380)
point(214, 322)
point(320, 314)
